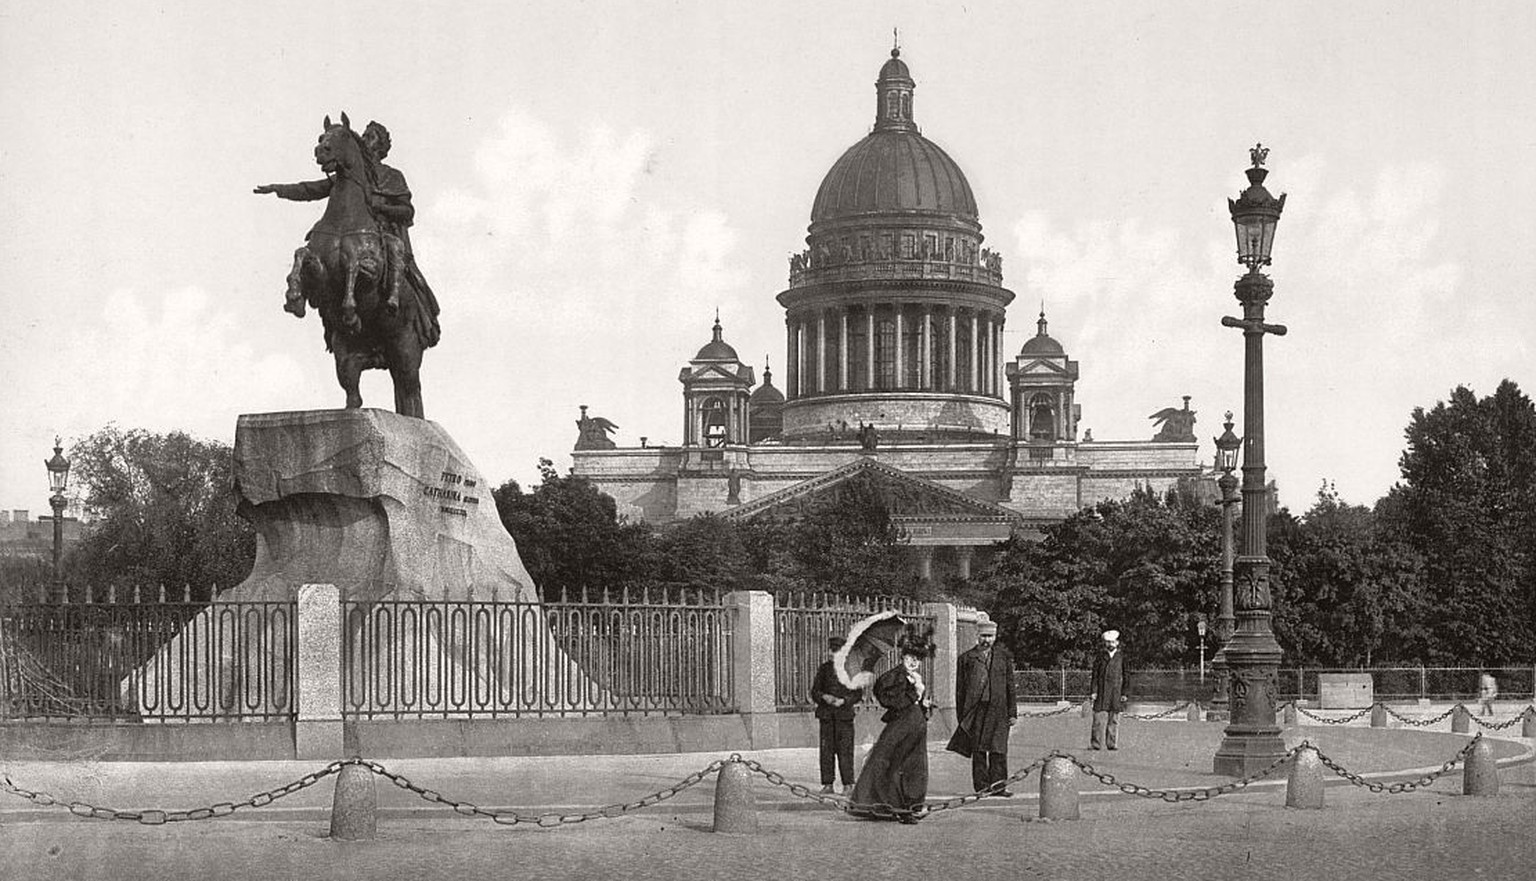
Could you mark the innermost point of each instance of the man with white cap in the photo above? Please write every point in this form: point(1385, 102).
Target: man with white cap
point(1109, 692)
point(987, 707)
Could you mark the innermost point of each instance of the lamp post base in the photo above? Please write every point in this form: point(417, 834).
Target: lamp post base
point(1246, 751)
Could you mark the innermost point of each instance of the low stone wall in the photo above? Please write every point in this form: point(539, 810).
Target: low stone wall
point(147, 742)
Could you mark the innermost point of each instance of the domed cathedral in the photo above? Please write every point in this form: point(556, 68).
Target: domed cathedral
point(894, 373)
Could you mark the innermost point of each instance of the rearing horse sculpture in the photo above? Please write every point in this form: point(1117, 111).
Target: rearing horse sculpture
point(345, 272)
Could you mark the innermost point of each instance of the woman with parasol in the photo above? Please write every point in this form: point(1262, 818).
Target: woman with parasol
point(894, 780)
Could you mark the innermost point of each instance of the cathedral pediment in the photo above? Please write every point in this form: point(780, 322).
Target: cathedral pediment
point(907, 498)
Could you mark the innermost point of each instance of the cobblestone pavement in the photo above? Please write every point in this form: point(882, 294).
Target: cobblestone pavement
point(1358, 835)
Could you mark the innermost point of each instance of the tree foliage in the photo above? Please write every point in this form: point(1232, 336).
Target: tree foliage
point(159, 510)
point(1147, 566)
point(569, 534)
point(572, 539)
point(1467, 506)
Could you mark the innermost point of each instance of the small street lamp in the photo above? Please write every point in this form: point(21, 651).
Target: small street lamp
point(1252, 741)
point(1226, 462)
point(58, 481)
point(1200, 628)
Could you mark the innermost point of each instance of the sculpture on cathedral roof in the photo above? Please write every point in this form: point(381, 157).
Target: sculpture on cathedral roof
point(1175, 425)
point(593, 432)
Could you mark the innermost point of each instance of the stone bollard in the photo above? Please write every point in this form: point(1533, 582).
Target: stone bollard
point(1194, 711)
point(1481, 776)
point(1378, 715)
point(1304, 786)
point(1087, 709)
point(1292, 717)
point(1058, 789)
point(1528, 725)
point(1461, 719)
point(735, 805)
point(355, 808)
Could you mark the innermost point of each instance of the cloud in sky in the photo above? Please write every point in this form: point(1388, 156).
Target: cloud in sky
point(593, 181)
point(1377, 320)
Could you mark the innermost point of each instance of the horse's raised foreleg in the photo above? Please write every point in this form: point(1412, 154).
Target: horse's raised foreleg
point(294, 299)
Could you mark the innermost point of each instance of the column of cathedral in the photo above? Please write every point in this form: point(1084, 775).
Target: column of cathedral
point(811, 371)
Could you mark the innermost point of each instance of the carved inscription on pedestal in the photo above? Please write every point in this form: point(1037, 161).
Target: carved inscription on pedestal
point(454, 495)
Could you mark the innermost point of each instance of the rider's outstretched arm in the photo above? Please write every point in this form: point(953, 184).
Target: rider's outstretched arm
point(304, 191)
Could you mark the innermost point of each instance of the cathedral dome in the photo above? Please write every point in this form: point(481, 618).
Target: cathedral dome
point(716, 349)
point(894, 171)
point(894, 168)
point(766, 394)
point(1041, 344)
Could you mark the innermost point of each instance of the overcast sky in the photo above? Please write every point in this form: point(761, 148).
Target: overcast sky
point(594, 180)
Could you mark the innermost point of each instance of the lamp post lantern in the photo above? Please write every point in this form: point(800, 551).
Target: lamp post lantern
point(58, 481)
point(1252, 741)
point(1226, 462)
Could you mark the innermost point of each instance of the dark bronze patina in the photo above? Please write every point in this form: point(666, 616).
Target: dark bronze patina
point(356, 267)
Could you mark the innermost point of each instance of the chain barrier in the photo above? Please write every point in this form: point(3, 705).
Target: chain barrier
point(158, 817)
point(1395, 788)
point(547, 819)
point(1498, 726)
point(1056, 712)
point(1148, 717)
point(1173, 796)
point(1327, 721)
point(883, 810)
point(551, 819)
point(1418, 723)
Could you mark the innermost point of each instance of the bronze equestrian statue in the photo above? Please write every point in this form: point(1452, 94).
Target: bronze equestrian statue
point(356, 268)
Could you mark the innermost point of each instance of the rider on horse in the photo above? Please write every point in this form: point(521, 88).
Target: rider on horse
point(390, 205)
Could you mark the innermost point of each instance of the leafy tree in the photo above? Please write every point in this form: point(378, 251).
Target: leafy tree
point(1147, 566)
point(1467, 504)
point(1349, 594)
point(570, 536)
point(160, 510)
point(847, 544)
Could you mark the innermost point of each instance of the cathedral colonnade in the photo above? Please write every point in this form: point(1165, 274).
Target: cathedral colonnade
point(894, 345)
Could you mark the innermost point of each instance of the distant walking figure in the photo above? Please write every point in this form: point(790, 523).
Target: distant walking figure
point(1487, 690)
point(1109, 692)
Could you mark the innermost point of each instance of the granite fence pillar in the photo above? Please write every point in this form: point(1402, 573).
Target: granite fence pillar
point(317, 728)
point(752, 665)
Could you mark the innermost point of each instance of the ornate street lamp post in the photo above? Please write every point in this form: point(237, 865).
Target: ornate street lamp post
point(58, 481)
point(1226, 462)
point(1252, 739)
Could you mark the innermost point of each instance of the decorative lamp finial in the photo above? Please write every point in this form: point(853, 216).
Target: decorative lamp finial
point(1258, 153)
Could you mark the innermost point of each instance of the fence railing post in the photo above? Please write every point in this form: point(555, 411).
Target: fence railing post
point(946, 636)
point(317, 728)
point(753, 670)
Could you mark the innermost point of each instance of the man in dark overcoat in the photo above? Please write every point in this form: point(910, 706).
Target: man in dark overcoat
point(987, 709)
point(834, 713)
point(1109, 692)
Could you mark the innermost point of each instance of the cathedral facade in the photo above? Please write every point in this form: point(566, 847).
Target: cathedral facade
point(894, 371)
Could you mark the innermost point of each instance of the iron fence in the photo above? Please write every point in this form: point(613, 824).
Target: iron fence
point(644, 653)
point(1293, 683)
point(154, 661)
point(1414, 683)
point(803, 622)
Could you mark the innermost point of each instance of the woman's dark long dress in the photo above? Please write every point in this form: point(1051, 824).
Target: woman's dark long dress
point(896, 771)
